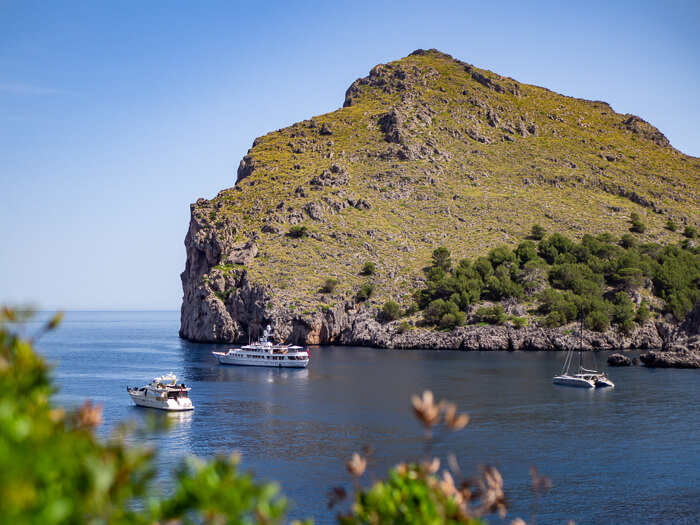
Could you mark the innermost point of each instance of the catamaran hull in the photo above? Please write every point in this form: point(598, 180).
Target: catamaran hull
point(169, 405)
point(604, 383)
point(225, 359)
point(573, 381)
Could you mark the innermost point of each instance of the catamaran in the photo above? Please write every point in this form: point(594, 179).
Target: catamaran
point(265, 353)
point(584, 378)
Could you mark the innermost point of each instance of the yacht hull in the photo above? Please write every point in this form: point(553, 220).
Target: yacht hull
point(169, 405)
point(240, 359)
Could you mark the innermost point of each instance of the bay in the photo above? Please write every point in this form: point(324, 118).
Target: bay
point(624, 455)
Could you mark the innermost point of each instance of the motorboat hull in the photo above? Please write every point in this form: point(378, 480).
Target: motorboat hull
point(180, 404)
point(272, 361)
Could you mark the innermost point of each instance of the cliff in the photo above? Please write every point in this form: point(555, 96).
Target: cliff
point(426, 151)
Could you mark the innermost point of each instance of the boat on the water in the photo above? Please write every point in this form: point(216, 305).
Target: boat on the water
point(163, 393)
point(265, 353)
point(583, 378)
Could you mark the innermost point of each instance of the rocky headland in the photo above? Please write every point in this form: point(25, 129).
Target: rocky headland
point(427, 151)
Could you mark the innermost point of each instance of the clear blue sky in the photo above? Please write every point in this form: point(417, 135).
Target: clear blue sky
point(116, 115)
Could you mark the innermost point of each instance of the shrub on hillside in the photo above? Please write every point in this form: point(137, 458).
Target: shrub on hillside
point(445, 314)
point(607, 238)
point(404, 326)
point(391, 311)
point(483, 267)
point(329, 285)
point(526, 252)
point(365, 292)
point(623, 312)
point(500, 255)
point(533, 276)
point(538, 232)
point(629, 278)
point(442, 258)
point(628, 241)
point(559, 308)
point(643, 314)
point(637, 225)
point(491, 314)
point(677, 280)
point(518, 322)
point(297, 232)
point(579, 278)
point(598, 321)
point(554, 245)
point(369, 268)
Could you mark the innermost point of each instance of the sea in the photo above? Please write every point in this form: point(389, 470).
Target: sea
point(627, 455)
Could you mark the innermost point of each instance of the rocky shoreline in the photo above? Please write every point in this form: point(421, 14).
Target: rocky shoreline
point(208, 315)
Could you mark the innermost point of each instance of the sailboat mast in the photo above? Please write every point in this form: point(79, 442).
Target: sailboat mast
point(580, 346)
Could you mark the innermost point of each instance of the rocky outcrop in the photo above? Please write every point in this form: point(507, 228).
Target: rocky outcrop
point(682, 358)
point(642, 128)
point(333, 177)
point(681, 345)
point(242, 253)
point(619, 360)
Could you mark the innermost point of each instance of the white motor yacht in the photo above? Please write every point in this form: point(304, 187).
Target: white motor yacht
point(163, 393)
point(265, 353)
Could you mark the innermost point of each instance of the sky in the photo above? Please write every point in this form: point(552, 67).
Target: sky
point(116, 115)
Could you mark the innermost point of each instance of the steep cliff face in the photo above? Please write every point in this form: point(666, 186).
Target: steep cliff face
point(427, 151)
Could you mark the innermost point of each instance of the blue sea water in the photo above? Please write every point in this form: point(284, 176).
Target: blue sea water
point(623, 456)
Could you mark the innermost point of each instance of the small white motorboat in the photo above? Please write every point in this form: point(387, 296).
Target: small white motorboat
point(163, 393)
point(265, 353)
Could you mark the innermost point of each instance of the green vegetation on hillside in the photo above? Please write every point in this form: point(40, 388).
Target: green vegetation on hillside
point(596, 276)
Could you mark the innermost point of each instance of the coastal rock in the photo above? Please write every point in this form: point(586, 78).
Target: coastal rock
point(682, 358)
point(691, 324)
point(619, 360)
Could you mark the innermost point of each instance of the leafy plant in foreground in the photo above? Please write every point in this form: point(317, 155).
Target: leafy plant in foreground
point(421, 492)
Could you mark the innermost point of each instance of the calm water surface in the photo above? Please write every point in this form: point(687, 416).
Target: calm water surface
point(628, 455)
